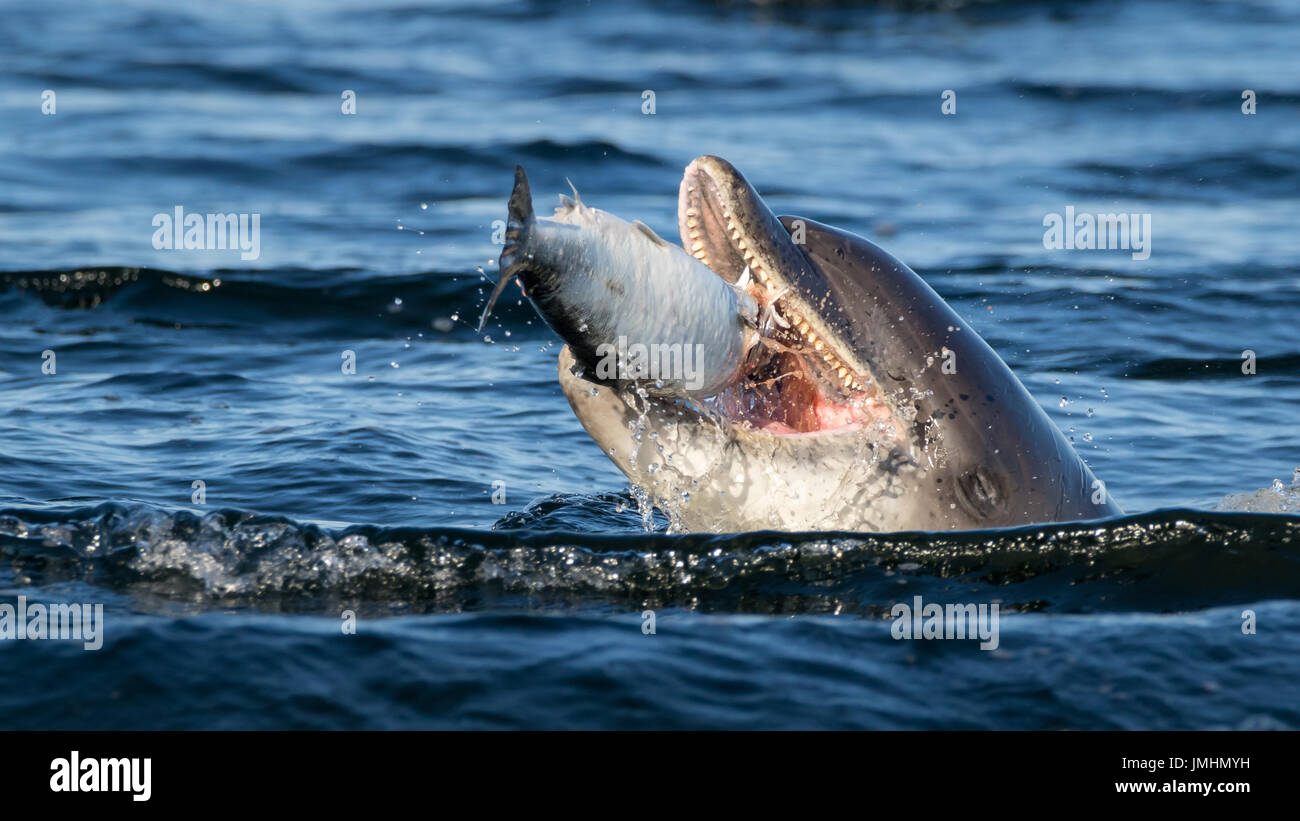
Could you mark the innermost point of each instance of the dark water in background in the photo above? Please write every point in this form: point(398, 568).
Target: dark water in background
point(372, 492)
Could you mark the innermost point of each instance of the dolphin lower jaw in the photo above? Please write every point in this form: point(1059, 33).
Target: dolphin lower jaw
point(707, 474)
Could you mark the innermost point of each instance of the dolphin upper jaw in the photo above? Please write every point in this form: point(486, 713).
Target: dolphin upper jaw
point(727, 226)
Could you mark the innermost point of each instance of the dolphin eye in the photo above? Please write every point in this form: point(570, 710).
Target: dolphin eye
point(981, 493)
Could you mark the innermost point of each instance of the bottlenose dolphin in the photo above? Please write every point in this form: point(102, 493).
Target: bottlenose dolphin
point(864, 402)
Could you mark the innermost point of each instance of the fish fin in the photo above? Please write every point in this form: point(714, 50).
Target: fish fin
point(568, 203)
point(505, 280)
point(518, 225)
point(521, 206)
point(649, 232)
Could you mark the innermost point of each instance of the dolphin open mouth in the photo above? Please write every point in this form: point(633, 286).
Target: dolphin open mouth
point(800, 379)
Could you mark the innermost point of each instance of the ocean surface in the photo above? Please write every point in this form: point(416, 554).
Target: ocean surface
point(324, 493)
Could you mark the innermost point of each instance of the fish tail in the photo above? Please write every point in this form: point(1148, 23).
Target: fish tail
point(518, 225)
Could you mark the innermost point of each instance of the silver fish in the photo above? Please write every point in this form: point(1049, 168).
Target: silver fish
point(631, 306)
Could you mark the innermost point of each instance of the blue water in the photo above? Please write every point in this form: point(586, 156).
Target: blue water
point(372, 492)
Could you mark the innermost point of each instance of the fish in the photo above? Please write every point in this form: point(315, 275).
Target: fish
point(633, 308)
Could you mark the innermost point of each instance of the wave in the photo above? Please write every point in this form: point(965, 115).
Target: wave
point(1163, 561)
point(1134, 97)
point(443, 301)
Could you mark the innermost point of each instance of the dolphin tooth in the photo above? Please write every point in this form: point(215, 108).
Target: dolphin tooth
point(691, 223)
point(691, 212)
point(699, 245)
point(817, 344)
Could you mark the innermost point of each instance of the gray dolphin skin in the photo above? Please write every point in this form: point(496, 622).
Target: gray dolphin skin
point(864, 404)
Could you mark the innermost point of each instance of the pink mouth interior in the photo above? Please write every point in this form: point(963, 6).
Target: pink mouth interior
point(783, 394)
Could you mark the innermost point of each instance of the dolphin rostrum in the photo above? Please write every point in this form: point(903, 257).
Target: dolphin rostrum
point(860, 401)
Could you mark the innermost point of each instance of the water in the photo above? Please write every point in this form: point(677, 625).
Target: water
point(373, 492)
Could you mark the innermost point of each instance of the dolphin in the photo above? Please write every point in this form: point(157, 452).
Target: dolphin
point(867, 403)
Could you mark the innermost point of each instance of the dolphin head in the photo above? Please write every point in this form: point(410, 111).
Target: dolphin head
point(870, 405)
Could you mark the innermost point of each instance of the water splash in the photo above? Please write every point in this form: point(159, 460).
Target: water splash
point(1163, 561)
